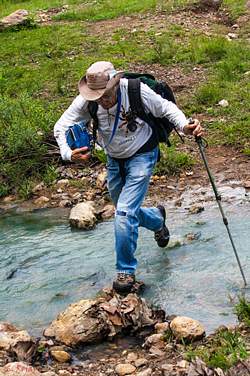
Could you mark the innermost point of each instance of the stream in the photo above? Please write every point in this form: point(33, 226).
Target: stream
point(45, 265)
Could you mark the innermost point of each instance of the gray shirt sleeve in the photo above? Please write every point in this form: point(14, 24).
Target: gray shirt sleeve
point(160, 107)
point(75, 113)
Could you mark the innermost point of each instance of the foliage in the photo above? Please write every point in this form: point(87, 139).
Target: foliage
point(172, 161)
point(242, 310)
point(224, 350)
point(40, 67)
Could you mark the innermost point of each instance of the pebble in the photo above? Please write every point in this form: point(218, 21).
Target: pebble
point(132, 357)
point(141, 362)
point(161, 327)
point(124, 369)
point(223, 103)
point(146, 372)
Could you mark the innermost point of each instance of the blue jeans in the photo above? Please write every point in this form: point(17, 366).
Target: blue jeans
point(127, 191)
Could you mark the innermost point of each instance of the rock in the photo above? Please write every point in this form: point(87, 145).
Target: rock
point(108, 211)
point(18, 369)
point(19, 17)
point(154, 350)
point(41, 201)
point(186, 328)
point(154, 339)
point(101, 179)
point(124, 369)
point(82, 216)
point(161, 327)
point(51, 373)
point(223, 103)
point(91, 320)
point(132, 357)
point(60, 356)
point(9, 198)
point(17, 341)
point(195, 209)
point(146, 372)
point(62, 182)
point(141, 362)
point(246, 184)
point(39, 187)
point(232, 35)
point(64, 203)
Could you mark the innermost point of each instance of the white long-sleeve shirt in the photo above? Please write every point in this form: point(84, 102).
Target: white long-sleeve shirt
point(124, 143)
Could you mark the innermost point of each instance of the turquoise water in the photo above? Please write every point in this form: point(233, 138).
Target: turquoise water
point(45, 265)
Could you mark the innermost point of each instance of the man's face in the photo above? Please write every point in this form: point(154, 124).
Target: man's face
point(108, 99)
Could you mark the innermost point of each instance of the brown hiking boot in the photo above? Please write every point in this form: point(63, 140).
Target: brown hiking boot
point(162, 236)
point(124, 282)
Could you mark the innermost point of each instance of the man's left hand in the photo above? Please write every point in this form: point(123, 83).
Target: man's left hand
point(194, 128)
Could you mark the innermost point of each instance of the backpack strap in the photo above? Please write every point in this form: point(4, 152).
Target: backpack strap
point(135, 101)
point(93, 108)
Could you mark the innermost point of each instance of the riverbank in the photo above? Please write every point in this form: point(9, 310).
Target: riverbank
point(155, 344)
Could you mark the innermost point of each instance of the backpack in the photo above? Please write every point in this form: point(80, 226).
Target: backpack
point(78, 136)
point(162, 127)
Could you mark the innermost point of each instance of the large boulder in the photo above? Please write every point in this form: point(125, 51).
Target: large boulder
point(186, 328)
point(82, 215)
point(88, 321)
point(17, 341)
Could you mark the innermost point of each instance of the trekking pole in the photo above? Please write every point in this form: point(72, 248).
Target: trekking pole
point(202, 145)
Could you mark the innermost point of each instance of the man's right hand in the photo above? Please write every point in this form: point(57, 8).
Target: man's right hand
point(80, 154)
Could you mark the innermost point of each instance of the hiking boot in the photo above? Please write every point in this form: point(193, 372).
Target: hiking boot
point(162, 236)
point(124, 282)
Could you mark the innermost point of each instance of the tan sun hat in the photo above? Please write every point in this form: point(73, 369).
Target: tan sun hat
point(99, 77)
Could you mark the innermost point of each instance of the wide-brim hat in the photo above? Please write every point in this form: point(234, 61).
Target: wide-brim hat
point(100, 76)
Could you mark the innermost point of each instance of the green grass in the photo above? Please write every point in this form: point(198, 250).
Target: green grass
point(224, 350)
point(172, 161)
point(40, 68)
point(236, 8)
point(242, 309)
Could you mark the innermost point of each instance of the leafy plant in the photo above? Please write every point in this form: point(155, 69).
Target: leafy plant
point(224, 350)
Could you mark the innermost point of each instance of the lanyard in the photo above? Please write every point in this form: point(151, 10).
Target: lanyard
point(119, 101)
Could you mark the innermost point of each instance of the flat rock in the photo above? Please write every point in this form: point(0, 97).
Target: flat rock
point(124, 369)
point(186, 328)
point(82, 215)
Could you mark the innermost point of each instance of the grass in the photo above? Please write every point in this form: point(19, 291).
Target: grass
point(242, 309)
point(224, 350)
point(172, 161)
point(40, 67)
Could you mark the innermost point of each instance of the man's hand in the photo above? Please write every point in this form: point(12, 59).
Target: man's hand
point(80, 154)
point(194, 128)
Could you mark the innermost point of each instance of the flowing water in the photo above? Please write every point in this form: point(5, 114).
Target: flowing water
point(45, 265)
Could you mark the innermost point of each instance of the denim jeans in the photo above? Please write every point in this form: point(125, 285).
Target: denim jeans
point(127, 191)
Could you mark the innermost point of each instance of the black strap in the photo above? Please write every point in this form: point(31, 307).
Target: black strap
point(93, 108)
point(135, 101)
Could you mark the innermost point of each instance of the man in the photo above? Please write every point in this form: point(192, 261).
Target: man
point(131, 157)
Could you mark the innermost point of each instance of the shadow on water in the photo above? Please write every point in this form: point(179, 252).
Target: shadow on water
point(45, 266)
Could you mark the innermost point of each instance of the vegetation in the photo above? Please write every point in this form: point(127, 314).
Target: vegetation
point(242, 310)
point(40, 67)
point(226, 347)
